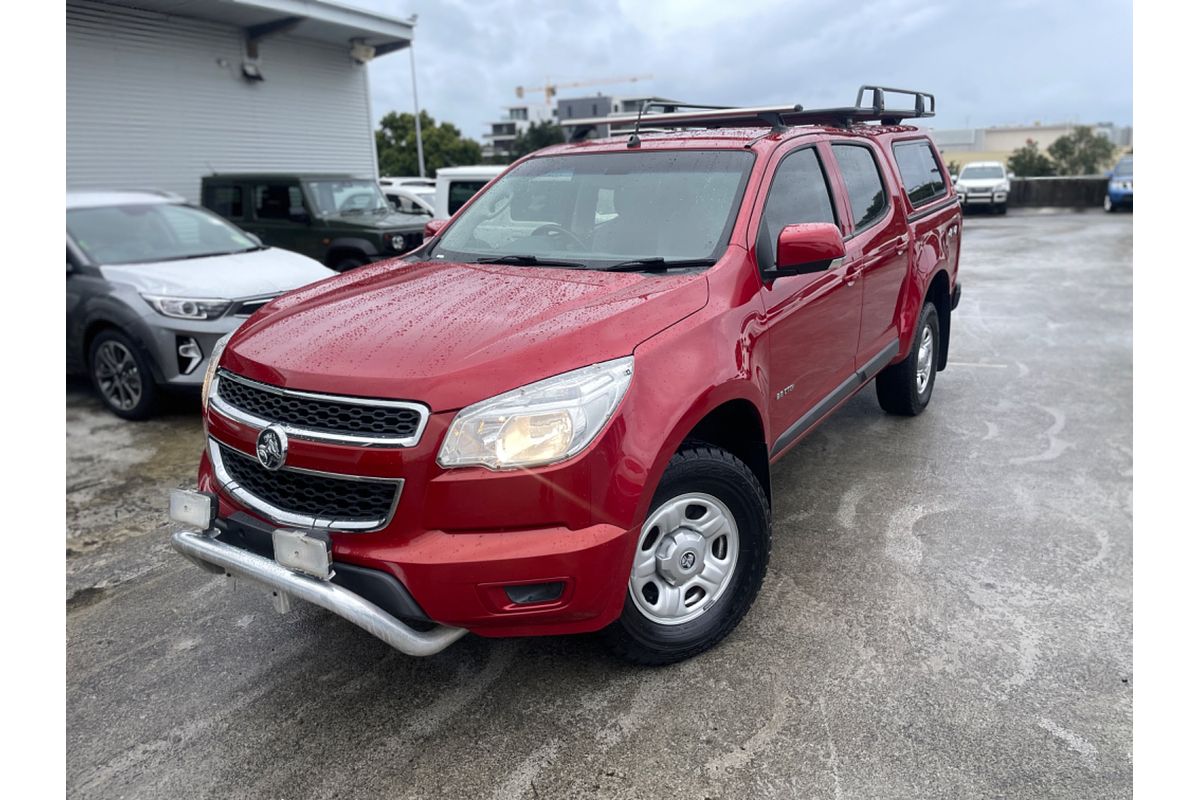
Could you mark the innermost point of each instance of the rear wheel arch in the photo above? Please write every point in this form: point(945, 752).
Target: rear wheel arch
point(938, 293)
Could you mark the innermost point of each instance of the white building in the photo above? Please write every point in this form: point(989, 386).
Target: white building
point(502, 133)
point(162, 92)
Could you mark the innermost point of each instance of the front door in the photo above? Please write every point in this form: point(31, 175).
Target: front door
point(273, 207)
point(812, 320)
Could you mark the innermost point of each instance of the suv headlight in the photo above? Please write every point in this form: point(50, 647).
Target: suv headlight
point(396, 241)
point(213, 359)
point(538, 424)
point(186, 307)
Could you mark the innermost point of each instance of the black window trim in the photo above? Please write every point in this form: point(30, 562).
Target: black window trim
point(946, 186)
point(762, 213)
point(289, 182)
point(887, 195)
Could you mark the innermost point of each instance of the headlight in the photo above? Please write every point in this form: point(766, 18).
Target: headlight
point(213, 359)
point(396, 240)
point(186, 307)
point(538, 424)
point(1000, 188)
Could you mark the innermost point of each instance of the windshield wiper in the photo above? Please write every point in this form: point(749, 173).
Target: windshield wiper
point(658, 264)
point(528, 261)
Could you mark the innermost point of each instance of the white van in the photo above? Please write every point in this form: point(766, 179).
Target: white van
point(457, 185)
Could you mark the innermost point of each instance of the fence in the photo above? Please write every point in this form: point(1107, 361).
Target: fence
point(1085, 191)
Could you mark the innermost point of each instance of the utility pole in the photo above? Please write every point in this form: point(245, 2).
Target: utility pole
point(412, 58)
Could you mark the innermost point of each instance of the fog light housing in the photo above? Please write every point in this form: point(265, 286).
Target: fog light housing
point(301, 553)
point(194, 509)
point(530, 593)
point(190, 354)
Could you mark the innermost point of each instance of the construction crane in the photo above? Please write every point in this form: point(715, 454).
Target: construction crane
point(551, 89)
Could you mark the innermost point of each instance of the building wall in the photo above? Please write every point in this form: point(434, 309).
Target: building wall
point(158, 101)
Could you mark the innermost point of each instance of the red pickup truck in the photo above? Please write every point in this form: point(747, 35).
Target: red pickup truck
point(559, 415)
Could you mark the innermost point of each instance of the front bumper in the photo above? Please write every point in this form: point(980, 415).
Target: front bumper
point(221, 558)
point(983, 199)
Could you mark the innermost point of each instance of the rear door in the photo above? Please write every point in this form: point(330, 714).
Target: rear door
point(877, 247)
point(812, 320)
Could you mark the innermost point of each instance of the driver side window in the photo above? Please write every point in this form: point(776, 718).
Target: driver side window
point(799, 193)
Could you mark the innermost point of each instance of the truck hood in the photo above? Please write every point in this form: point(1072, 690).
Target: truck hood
point(376, 222)
point(451, 334)
point(258, 272)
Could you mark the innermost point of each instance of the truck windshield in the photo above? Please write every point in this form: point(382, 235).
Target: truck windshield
point(601, 208)
point(346, 197)
point(976, 173)
point(153, 232)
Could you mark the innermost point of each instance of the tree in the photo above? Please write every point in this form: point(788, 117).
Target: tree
point(1081, 152)
point(1029, 162)
point(444, 145)
point(540, 134)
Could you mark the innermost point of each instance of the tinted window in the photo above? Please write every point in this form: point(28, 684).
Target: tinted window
point(919, 172)
point(350, 196)
point(863, 184)
point(277, 200)
point(226, 201)
point(462, 191)
point(799, 193)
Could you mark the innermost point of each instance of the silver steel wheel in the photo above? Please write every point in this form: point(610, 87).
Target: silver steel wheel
point(117, 375)
point(685, 559)
point(924, 359)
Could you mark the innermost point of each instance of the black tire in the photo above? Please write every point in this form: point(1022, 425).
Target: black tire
point(1002, 208)
point(347, 263)
point(121, 374)
point(897, 385)
point(700, 467)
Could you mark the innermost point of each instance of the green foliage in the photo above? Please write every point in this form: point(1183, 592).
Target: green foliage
point(444, 145)
point(1081, 152)
point(540, 134)
point(954, 167)
point(1029, 162)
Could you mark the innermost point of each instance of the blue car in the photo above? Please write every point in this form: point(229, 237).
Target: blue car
point(1120, 186)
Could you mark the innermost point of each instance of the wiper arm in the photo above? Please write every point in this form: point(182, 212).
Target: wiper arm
point(659, 264)
point(528, 261)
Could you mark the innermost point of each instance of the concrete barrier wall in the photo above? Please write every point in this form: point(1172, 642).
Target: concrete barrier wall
point(1073, 192)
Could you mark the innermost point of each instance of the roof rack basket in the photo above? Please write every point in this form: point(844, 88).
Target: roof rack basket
point(777, 117)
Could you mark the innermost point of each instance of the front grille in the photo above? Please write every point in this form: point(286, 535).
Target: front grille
point(322, 414)
point(305, 494)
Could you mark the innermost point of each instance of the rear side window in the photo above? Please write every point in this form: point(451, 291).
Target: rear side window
point(799, 193)
point(226, 201)
point(864, 185)
point(919, 172)
point(460, 192)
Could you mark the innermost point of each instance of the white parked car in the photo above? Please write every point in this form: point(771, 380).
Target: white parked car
point(983, 183)
point(457, 185)
point(411, 198)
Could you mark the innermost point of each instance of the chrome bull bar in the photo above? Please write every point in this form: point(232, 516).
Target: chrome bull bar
point(216, 556)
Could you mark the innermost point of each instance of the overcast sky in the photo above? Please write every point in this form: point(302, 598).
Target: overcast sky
point(987, 61)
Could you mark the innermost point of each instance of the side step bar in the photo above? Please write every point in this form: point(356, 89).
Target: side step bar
point(216, 556)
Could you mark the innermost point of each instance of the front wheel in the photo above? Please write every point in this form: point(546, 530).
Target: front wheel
point(1108, 204)
point(905, 388)
point(700, 559)
point(122, 376)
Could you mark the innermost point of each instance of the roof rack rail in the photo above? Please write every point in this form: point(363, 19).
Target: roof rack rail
point(777, 117)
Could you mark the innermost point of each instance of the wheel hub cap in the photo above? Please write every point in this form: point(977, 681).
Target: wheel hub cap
point(685, 558)
point(924, 359)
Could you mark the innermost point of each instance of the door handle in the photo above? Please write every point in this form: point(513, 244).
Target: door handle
point(851, 276)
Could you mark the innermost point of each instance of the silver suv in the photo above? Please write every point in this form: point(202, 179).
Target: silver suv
point(153, 283)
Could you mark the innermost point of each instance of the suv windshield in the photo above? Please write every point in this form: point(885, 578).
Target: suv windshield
point(600, 208)
point(153, 232)
point(976, 173)
point(346, 196)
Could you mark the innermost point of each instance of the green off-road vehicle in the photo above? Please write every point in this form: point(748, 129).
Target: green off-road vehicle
point(340, 220)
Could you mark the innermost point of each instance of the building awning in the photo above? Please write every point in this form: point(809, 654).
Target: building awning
point(320, 20)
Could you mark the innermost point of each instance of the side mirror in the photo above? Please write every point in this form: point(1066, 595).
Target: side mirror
point(299, 215)
point(806, 248)
point(434, 227)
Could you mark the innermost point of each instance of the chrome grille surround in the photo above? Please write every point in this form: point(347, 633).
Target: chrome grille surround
point(233, 412)
point(292, 519)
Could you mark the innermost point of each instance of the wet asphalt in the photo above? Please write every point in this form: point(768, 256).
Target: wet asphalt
point(947, 612)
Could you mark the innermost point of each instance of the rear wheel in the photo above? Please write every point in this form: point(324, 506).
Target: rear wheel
point(906, 388)
point(700, 559)
point(122, 376)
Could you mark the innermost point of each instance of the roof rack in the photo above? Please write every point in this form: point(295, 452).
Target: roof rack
point(777, 117)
